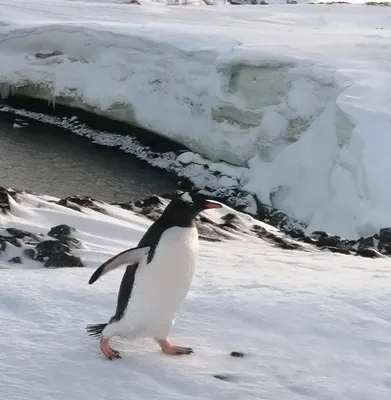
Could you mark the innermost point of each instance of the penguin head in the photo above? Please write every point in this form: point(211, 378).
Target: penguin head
point(186, 205)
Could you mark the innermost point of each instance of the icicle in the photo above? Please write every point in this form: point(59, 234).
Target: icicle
point(5, 90)
point(52, 99)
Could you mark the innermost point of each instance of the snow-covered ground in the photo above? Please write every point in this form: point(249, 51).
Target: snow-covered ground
point(297, 95)
point(311, 325)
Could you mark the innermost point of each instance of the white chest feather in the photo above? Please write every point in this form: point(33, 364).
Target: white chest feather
point(161, 286)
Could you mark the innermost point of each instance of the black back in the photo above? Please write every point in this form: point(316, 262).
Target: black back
point(181, 212)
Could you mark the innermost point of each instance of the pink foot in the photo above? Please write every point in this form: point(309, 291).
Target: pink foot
point(107, 350)
point(168, 348)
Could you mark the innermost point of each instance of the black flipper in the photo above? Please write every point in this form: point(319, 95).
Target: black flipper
point(131, 256)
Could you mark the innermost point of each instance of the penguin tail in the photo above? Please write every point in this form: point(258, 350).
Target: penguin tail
point(95, 330)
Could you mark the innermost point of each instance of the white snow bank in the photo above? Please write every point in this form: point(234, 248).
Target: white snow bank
point(311, 325)
point(298, 95)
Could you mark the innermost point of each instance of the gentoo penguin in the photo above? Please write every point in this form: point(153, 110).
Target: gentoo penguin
point(158, 279)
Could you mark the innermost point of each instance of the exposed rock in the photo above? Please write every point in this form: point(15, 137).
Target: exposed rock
point(29, 253)
point(16, 237)
point(231, 221)
point(152, 207)
point(237, 354)
point(53, 253)
point(20, 234)
point(384, 249)
point(327, 241)
point(77, 202)
point(15, 260)
point(332, 2)
point(380, 3)
point(63, 260)
point(368, 252)
point(296, 233)
point(210, 230)
point(63, 234)
point(59, 231)
point(8, 239)
point(385, 235)
point(209, 238)
point(4, 198)
point(47, 248)
point(43, 56)
point(341, 250)
point(366, 242)
point(222, 377)
point(280, 241)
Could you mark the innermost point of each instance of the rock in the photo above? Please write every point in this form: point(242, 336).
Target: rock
point(366, 242)
point(209, 239)
point(231, 221)
point(15, 260)
point(368, 252)
point(222, 377)
point(318, 234)
point(277, 240)
point(47, 248)
point(30, 253)
point(76, 202)
point(296, 233)
point(152, 207)
point(236, 354)
point(60, 231)
point(152, 201)
point(284, 243)
point(341, 250)
point(380, 3)
point(328, 241)
point(3, 245)
point(63, 234)
point(63, 260)
point(48, 55)
point(384, 249)
point(4, 198)
point(385, 235)
point(17, 233)
point(210, 229)
point(8, 239)
point(54, 253)
point(230, 217)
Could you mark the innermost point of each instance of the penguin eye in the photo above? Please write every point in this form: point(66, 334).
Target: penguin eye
point(186, 198)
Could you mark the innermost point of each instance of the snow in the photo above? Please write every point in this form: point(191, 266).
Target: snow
point(297, 96)
point(310, 324)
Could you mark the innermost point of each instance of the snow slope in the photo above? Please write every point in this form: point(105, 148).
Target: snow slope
point(311, 325)
point(299, 96)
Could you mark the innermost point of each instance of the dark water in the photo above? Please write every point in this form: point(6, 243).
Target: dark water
point(48, 160)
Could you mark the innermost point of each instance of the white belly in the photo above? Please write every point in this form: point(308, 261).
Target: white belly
point(161, 286)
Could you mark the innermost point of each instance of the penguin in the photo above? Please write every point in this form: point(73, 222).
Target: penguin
point(158, 277)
